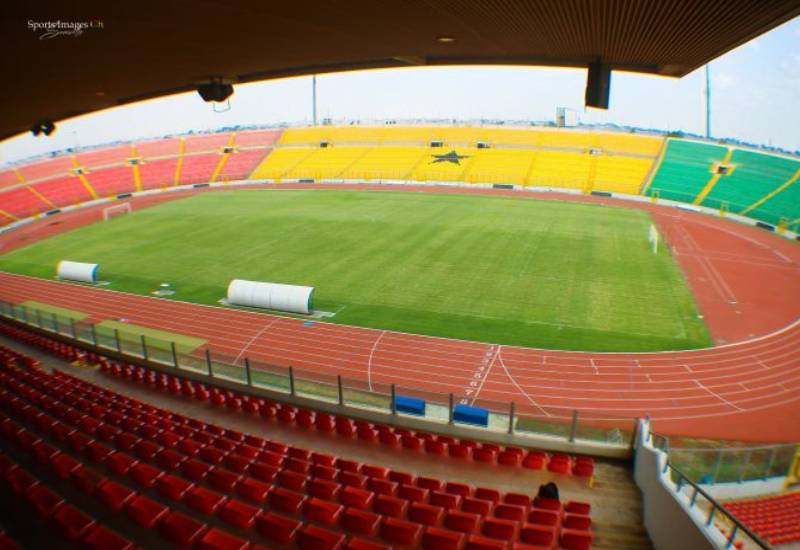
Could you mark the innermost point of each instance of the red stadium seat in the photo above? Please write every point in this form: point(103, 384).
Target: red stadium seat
point(355, 497)
point(398, 531)
point(322, 511)
point(146, 512)
point(475, 542)
point(180, 529)
point(239, 514)
point(173, 487)
point(322, 488)
point(285, 500)
point(360, 521)
point(222, 479)
point(441, 539)
point(539, 535)
point(72, 522)
point(217, 539)
point(576, 540)
point(252, 489)
point(311, 537)
point(464, 522)
point(44, 500)
point(204, 500)
point(113, 495)
point(426, 514)
point(102, 538)
point(277, 528)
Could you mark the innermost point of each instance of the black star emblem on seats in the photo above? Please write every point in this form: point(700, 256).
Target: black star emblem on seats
point(452, 156)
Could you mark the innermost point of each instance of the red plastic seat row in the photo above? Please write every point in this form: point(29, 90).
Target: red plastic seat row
point(490, 453)
point(71, 522)
point(454, 519)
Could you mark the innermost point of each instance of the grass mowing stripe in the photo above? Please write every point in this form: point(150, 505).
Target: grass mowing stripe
point(506, 270)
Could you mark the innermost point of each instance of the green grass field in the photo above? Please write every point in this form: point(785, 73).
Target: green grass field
point(527, 272)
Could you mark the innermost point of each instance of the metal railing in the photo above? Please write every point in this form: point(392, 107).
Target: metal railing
point(504, 418)
point(728, 463)
point(701, 499)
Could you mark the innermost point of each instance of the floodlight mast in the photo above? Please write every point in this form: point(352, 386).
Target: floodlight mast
point(708, 101)
point(314, 98)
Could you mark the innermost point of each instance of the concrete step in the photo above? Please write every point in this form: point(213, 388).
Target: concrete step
point(622, 537)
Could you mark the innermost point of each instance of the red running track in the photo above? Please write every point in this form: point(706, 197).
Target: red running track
point(747, 284)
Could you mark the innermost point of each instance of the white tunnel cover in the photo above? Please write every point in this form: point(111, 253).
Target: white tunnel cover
point(291, 298)
point(77, 271)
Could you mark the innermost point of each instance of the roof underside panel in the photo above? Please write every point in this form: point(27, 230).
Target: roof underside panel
point(151, 48)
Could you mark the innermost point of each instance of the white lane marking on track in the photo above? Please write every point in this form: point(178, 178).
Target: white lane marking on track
point(128, 297)
point(782, 256)
point(700, 384)
point(519, 388)
point(369, 360)
point(485, 374)
point(253, 339)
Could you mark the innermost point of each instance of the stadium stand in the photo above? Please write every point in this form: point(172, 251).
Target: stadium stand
point(280, 162)
point(387, 162)
point(257, 138)
point(774, 518)
point(157, 174)
point(561, 169)
point(8, 178)
point(64, 191)
point(620, 174)
point(779, 205)
point(159, 148)
point(762, 186)
point(241, 164)
point(57, 166)
point(105, 157)
point(685, 170)
point(110, 182)
point(470, 136)
point(198, 168)
point(330, 162)
point(194, 482)
point(23, 202)
point(205, 143)
point(752, 177)
point(501, 166)
point(567, 158)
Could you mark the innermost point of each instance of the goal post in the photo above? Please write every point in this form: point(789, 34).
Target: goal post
point(116, 210)
point(653, 238)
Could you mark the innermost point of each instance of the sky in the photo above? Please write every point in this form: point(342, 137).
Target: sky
point(755, 98)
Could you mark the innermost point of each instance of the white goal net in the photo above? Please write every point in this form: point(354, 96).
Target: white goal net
point(116, 210)
point(653, 238)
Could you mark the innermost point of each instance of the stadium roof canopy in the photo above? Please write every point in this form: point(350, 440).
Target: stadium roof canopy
point(149, 48)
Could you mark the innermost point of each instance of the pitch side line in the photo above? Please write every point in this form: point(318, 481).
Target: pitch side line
point(704, 354)
point(711, 350)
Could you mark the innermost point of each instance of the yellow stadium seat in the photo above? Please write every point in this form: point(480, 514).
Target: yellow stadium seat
point(545, 157)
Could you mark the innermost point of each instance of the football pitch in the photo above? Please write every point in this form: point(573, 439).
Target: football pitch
point(549, 274)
